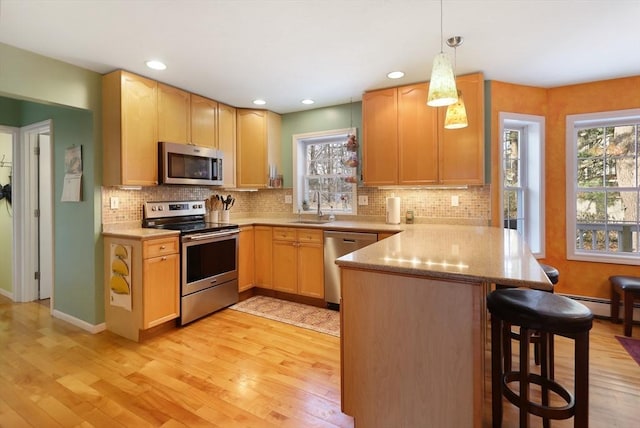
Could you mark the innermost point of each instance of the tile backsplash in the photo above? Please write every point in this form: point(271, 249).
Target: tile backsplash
point(428, 204)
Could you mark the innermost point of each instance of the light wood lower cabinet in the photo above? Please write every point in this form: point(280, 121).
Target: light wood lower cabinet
point(246, 258)
point(263, 256)
point(160, 281)
point(298, 261)
point(148, 272)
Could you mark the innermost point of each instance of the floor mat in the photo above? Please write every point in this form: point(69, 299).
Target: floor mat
point(305, 316)
point(632, 346)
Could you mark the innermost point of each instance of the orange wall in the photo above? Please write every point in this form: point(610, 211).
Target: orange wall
point(578, 278)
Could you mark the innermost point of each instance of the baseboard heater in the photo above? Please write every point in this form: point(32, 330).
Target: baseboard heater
point(601, 308)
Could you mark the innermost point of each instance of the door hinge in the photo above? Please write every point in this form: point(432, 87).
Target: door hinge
point(36, 151)
point(36, 213)
point(36, 275)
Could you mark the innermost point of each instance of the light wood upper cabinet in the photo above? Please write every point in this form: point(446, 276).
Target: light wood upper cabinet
point(405, 142)
point(246, 256)
point(417, 136)
point(380, 133)
point(258, 145)
point(204, 122)
point(129, 130)
point(174, 114)
point(227, 143)
point(462, 150)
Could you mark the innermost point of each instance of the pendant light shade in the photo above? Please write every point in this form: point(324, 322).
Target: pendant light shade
point(442, 86)
point(456, 116)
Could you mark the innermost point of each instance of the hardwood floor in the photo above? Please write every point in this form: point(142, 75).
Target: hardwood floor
point(227, 370)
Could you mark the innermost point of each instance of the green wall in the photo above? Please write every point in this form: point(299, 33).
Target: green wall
point(321, 119)
point(39, 88)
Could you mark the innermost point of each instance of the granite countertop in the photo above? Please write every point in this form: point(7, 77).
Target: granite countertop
point(139, 233)
point(453, 252)
point(346, 225)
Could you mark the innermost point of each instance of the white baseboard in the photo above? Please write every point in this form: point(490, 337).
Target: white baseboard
point(91, 328)
point(602, 307)
point(6, 293)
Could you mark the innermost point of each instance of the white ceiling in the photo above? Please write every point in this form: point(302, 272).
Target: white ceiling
point(329, 50)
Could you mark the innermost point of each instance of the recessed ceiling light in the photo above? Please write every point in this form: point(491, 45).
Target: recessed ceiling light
point(156, 65)
point(395, 75)
point(259, 102)
point(307, 101)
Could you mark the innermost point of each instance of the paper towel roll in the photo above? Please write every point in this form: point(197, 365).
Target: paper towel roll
point(393, 210)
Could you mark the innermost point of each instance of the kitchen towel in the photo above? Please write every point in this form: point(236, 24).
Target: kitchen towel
point(393, 210)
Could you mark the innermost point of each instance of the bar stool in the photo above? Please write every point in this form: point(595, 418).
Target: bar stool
point(508, 335)
point(549, 314)
point(629, 288)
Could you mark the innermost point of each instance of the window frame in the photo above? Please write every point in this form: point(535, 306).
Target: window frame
point(573, 122)
point(299, 144)
point(532, 177)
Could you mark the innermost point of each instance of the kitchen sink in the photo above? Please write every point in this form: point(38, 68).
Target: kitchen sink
point(311, 221)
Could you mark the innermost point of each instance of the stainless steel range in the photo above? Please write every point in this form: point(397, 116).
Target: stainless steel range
point(209, 256)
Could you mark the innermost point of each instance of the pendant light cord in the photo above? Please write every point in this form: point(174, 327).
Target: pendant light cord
point(441, 30)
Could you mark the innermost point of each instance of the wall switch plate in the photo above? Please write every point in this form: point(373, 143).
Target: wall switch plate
point(288, 199)
point(455, 201)
point(114, 202)
point(363, 200)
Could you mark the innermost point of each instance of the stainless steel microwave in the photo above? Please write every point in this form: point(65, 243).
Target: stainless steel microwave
point(189, 164)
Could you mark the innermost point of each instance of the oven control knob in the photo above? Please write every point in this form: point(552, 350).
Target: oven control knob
point(160, 208)
point(153, 208)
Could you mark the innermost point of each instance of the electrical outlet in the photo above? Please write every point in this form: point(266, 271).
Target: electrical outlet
point(455, 201)
point(288, 199)
point(363, 200)
point(114, 202)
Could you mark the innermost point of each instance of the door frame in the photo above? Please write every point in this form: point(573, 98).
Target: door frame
point(28, 198)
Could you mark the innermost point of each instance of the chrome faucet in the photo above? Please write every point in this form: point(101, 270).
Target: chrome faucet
point(318, 197)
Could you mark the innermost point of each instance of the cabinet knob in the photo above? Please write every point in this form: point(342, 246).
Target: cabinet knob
point(162, 247)
point(163, 258)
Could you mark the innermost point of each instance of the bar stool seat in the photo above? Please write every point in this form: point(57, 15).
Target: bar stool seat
point(549, 314)
point(629, 288)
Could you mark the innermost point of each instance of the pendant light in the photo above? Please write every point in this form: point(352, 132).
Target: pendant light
point(442, 86)
point(456, 116)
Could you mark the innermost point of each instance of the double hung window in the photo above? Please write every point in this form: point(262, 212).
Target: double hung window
point(603, 187)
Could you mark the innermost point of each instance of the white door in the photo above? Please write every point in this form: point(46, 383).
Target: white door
point(34, 214)
point(45, 204)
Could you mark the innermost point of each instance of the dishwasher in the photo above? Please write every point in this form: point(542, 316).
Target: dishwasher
point(337, 244)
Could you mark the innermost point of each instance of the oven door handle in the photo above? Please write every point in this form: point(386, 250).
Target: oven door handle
point(201, 236)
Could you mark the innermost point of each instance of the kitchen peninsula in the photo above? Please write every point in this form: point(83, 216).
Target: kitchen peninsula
point(413, 322)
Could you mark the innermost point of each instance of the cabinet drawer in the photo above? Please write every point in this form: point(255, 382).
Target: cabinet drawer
point(284, 234)
point(310, 235)
point(159, 247)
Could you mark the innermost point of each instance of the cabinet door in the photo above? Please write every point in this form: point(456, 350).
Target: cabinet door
point(130, 130)
point(263, 259)
point(462, 150)
point(227, 143)
point(285, 269)
point(380, 130)
point(174, 111)
point(417, 136)
point(204, 126)
point(161, 290)
point(311, 270)
point(251, 155)
point(246, 267)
